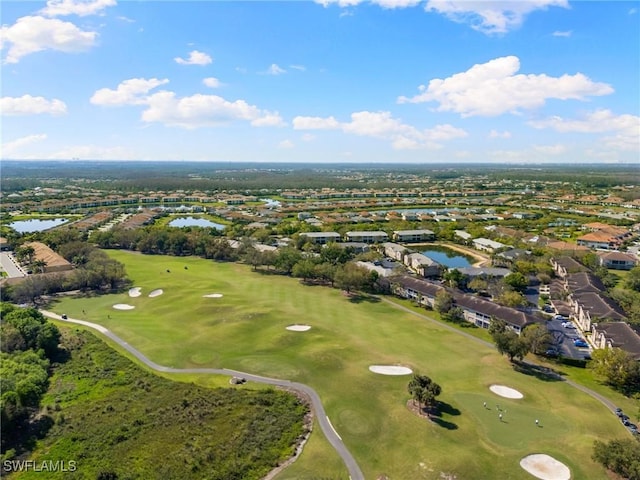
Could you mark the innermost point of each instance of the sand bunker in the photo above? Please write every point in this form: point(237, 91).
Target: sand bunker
point(505, 391)
point(123, 306)
point(213, 295)
point(299, 328)
point(545, 467)
point(134, 292)
point(390, 370)
point(156, 293)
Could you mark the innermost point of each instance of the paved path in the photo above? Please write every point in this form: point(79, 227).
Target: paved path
point(602, 399)
point(329, 432)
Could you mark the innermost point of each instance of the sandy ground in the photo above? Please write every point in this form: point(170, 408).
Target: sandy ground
point(505, 391)
point(390, 370)
point(213, 295)
point(299, 328)
point(123, 306)
point(545, 467)
point(156, 293)
point(135, 292)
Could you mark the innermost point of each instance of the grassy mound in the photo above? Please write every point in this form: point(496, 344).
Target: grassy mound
point(118, 421)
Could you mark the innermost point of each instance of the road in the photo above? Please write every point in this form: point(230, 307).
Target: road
point(325, 425)
point(10, 266)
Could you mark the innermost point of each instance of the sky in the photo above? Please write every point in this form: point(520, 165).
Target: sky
point(381, 81)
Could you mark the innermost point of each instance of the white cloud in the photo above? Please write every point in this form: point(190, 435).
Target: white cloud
point(497, 134)
point(57, 8)
point(195, 58)
point(491, 16)
point(204, 111)
point(32, 34)
point(558, 33)
point(315, 123)
point(625, 128)
point(493, 88)
point(29, 105)
point(9, 149)
point(382, 3)
point(551, 149)
point(286, 144)
point(382, 125)
point(301, 68)
point(212, 82)
point(275, 70)
point(187, 112)
point(129, 92)
point(633, 11)
point(308, 137)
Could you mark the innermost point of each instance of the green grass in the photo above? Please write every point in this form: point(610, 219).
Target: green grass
point(245, 330)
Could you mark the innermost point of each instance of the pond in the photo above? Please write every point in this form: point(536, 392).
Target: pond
point(36, 224)
point(447, 257)
point(195, 222)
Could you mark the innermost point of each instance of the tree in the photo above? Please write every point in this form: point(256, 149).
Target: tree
point(286, 258)
point(453, 277)
point(517, 281)
point(443, 302)
point(618, 368)
point(424, 391)
point(353, 277)
point(511, 299)
point(304, 269)
point(39, 266)
point(632, 282)
point(507, 341)
point(620, 456)
point(478, 285)
point(537, 338)
point(253, 257)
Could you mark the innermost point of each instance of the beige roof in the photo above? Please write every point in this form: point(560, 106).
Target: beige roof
point(43, 252)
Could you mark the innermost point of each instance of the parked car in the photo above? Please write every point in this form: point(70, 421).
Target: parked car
point(64, 316)
point(580, 343)
point(619, 412)
point(548, 308)
point(560, 317)
point(551, 352)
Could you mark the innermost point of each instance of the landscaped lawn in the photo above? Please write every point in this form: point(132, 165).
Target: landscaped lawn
point(245, 330)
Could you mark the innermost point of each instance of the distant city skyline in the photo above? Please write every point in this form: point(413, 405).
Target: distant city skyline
point(382, 81)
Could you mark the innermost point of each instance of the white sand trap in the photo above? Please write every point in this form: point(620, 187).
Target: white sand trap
point(505, 391)
point(123, 306)
point(299, 328)
point(390, 370)
point(545, 467)
point(135, 292)
point(156, 293)
point(213, 295)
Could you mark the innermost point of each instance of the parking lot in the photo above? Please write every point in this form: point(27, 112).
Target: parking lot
point(564, 338)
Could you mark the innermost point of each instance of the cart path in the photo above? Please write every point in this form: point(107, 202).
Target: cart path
point(601, 398)
point(325, 424)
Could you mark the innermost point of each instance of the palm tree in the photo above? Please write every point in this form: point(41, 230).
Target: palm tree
point(424, 391)
point(39, 265)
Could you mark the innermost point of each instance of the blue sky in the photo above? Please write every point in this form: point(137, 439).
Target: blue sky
point(394, 81)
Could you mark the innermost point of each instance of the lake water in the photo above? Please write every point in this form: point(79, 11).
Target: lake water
point(195, 222)
point(448, 258)
point(36, 225)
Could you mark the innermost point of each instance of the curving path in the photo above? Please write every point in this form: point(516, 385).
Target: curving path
point(329, 432)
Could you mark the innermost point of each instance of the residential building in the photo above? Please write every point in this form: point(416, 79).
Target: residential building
point(413, 236)
point(321, 238)
point(617, 260)
point(422, 265)
point(367, 236)
point(487, 245)
point(616, 335)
